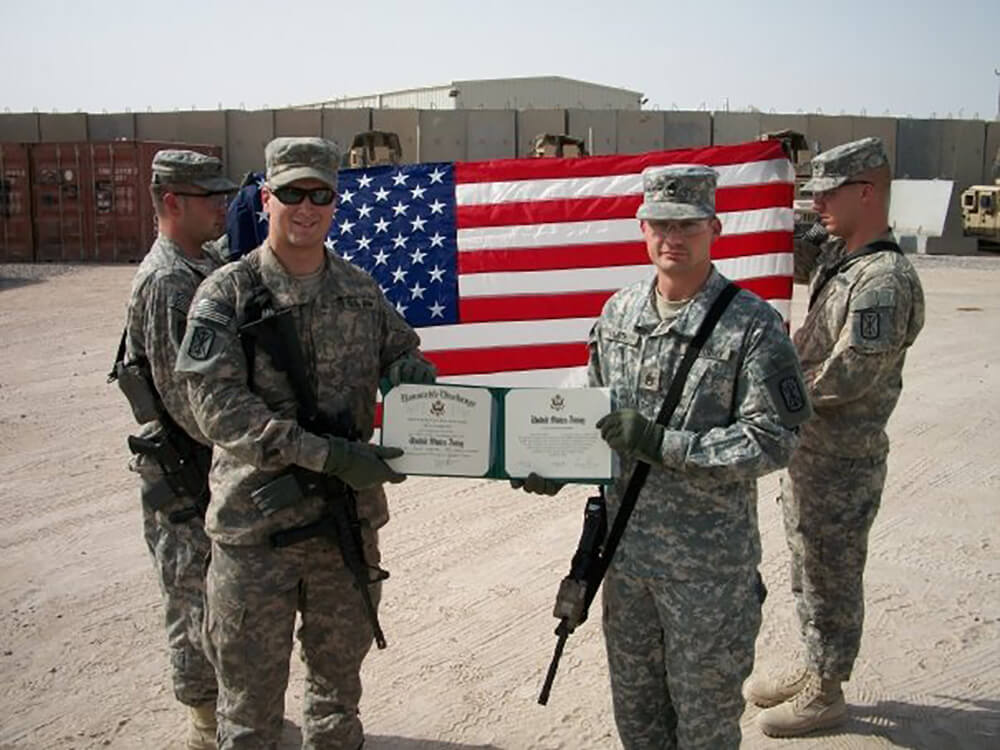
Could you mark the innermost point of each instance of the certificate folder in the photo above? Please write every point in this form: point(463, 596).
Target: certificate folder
point(499, 433)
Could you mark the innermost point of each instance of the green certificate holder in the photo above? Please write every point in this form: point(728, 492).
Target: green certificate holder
point(498, 433)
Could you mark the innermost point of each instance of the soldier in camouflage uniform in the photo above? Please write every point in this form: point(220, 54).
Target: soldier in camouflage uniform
point(188, 191)
point(866, 309)
point(248, 406)
point(682, 596)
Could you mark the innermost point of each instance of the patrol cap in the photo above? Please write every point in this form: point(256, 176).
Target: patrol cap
point(181, 167)
point(833, 168)
point(291, 159)
point(678, 191)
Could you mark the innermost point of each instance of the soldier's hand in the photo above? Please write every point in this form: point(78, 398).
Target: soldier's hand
point(361, 465)
point(410, 369)
point(631, 434)
point(537, 485)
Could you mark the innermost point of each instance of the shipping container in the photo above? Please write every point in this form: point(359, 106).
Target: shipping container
point(80, 201)
point(61, 200)
point(16, 242)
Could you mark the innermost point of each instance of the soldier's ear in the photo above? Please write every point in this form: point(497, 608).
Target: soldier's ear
point(716, 226)
point(171, 204)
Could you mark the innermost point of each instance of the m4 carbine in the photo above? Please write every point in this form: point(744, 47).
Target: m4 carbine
point(577, 590)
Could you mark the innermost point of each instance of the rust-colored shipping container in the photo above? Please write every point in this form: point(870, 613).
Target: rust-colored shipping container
point(16, 240)
point(124, 223)
point(88, 201)
point(61, 200)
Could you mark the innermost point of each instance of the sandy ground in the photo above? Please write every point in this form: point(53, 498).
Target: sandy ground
point(474, 564)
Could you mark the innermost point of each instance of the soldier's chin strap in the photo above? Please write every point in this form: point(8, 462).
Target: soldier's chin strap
point(598, 564)
point(878, 246)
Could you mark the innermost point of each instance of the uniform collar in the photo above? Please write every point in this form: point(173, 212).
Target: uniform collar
point(285, 288)
point(172, 248)
point(688, 321)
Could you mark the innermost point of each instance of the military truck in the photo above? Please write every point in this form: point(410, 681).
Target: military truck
point(981, 211)
point(373, 147)
point(559, 145)
point(800, 153)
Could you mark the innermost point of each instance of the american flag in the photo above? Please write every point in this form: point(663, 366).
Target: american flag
point(504, 265)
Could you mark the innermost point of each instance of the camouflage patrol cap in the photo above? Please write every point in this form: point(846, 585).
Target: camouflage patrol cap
point(291, 159)
point(833, 168)
point(180, 167)
point(679, 191)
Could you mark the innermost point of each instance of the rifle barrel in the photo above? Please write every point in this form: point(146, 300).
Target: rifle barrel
point(550, 676)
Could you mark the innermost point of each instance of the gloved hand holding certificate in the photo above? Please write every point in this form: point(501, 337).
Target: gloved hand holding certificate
point(467, 431)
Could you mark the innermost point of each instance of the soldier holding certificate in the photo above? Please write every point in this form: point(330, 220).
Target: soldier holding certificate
point(281, 358)
point(682, 595)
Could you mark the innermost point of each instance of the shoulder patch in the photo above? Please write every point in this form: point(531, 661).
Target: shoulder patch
point(873, 312)
point(788, 394)
point(200, 342)
point(180, 301)
point(214, 311)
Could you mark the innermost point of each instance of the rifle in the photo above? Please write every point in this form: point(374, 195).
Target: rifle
point(276, 334)
point(184, 461)
point(577, 590)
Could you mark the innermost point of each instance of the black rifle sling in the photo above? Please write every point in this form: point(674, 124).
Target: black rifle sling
point(275, 333)
point(875, 247)
point(119, 357)
point(641, 471)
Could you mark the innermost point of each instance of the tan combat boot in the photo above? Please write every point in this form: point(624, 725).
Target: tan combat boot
point(765, 692)
point(818, 705)
point(201, 727)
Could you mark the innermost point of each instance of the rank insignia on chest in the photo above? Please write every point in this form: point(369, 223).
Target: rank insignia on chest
point(649, 379)
point(869, 324)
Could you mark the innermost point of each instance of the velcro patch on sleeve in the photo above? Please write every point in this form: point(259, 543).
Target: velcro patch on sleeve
point(872, 314)
point(214, 311)
point(788, 394)
point(180, 301)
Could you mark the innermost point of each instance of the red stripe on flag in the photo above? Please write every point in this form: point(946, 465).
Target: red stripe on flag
point(755, 243)
point(602, 166)
point(508, 358)
point(609, 254)
point(742, 198)
point(553, 258)
point(581, 304)
point(532, 306)
point(768, 287)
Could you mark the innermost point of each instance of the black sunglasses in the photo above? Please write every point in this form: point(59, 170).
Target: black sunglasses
point(293, 196)
point(212, 194)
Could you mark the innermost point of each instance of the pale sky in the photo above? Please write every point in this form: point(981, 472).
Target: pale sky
point(915, 57)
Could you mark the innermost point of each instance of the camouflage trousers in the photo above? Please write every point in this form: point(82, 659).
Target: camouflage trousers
point(678, 653)
point(180, 554)
point(254, 593)
point(829, 504)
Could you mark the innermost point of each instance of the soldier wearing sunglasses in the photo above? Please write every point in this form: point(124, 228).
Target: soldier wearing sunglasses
point(188, 191)
point(866, 307)
point(263, 414)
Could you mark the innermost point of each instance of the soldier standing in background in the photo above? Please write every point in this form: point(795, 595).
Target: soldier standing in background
point(290, 410)
point(866, 308)
point(171, 454)
point(682, 596)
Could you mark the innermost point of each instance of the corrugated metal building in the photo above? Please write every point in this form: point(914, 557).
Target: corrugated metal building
point(539, 92)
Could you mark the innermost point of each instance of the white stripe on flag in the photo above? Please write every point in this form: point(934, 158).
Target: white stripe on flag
point(505, 283)
point(514, 191)
point(608, 230)
point(511, 333)
point(558, 377)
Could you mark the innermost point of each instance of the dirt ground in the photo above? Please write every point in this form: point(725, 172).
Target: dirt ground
point(475, 565)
